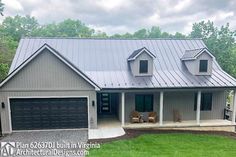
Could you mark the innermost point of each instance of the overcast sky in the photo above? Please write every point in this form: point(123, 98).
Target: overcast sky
point(120, 16)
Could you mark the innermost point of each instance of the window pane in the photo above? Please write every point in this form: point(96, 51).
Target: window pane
point(143, 66)
point(206, 101)
point(203, 66)
point(148, 103)
point(144, 103)
point(195, 101)
point(139, 103)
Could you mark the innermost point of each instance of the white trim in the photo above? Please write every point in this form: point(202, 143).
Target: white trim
point(202, 51)
point(55, 53)
point(234, 108)
point(123, 108)
point(9, 115)
point(144, 49)
point(32, 97)
point(198, 111)
point(197, 55)
point(161, 108)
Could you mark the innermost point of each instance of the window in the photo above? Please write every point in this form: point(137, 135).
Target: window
point(206, 102)
point(203, 66)
point(144, 103)
point(143, 66)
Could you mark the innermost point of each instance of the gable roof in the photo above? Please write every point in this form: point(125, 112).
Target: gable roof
point(193, 54)
point(58, 55)
point(138, 52)
point(104, 61)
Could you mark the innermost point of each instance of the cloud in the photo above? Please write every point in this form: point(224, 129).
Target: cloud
point(121, 16)
point(13, 5)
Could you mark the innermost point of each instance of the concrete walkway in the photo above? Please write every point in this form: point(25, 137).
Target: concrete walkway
point(107, 128)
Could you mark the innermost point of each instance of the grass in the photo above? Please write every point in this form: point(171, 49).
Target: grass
point(169, 145)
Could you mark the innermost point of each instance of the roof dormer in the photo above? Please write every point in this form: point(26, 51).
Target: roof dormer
point(198, 61)
point(141, 62)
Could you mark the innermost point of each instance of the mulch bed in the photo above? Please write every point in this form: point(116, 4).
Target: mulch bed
point(132, 133)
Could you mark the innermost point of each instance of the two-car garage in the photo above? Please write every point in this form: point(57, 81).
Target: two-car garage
point(48, 113)
point(47, 92)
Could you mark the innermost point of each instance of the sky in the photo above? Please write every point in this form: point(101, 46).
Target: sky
point(121, 16)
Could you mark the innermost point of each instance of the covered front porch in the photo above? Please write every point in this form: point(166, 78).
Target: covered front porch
point(197, 108)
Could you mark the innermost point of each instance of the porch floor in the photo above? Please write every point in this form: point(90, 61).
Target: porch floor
point(189, 123)
point(108, 127)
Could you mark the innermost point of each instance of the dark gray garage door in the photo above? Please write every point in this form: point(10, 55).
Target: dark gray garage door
point(49, 113)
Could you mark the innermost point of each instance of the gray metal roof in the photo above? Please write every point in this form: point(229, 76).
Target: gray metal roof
point(104, 61)
point(192, 54)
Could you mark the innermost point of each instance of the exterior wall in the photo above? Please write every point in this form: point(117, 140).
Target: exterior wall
point(46, 72)
point(46, 76)
point(134, 65)
point(183, 101)
point(193, 65)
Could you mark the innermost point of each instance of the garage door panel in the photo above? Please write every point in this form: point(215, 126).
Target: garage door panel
point(52, 113)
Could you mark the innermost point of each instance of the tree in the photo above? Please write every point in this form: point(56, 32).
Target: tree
point(1, 7)
point(100, 34)
point(7, 51)
point(155, 32)
point(179, 35)
point(221, 42)
point(18, 26)
point(66, 28)
point(142, 33)
point(4, 68)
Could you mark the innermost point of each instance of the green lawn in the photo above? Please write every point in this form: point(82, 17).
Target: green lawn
point(169, 145)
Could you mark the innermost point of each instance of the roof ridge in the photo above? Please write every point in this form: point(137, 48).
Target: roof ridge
point(196, 49)
point(95, 38)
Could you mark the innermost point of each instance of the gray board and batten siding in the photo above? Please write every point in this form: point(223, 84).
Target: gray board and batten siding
point(47, 77)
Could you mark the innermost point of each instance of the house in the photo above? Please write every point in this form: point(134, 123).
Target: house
point(61, 83)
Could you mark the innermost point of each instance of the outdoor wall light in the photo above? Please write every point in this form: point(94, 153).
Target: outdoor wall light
point(93, 103)
point(3, 105)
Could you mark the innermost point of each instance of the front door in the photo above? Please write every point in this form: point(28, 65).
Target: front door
point(105, 106)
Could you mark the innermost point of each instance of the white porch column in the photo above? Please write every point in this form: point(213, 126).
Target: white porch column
point(161, 108)
point(198, 107)
point(234, 108)
point(123, 108)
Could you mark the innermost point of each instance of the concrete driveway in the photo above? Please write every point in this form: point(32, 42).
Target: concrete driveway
point(63, 137)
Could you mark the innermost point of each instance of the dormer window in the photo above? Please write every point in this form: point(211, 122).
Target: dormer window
point(143, 66)
point(198, 61)
point(141, 63)
point(203, 65)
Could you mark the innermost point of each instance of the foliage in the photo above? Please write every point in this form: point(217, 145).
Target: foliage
point(7, 51)
point(168, 145)
point(221, 42)
point(18, 26)
point(67, 28)
point(4, 68)
point(154, 32)
point(1, 7)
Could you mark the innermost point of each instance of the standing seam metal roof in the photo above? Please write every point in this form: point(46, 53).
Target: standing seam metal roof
point(105, 61)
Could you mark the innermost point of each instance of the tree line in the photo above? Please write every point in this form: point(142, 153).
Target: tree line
point(219, 40)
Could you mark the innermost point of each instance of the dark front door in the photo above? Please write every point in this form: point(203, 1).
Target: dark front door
point(105, 106)
point(49, 113)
